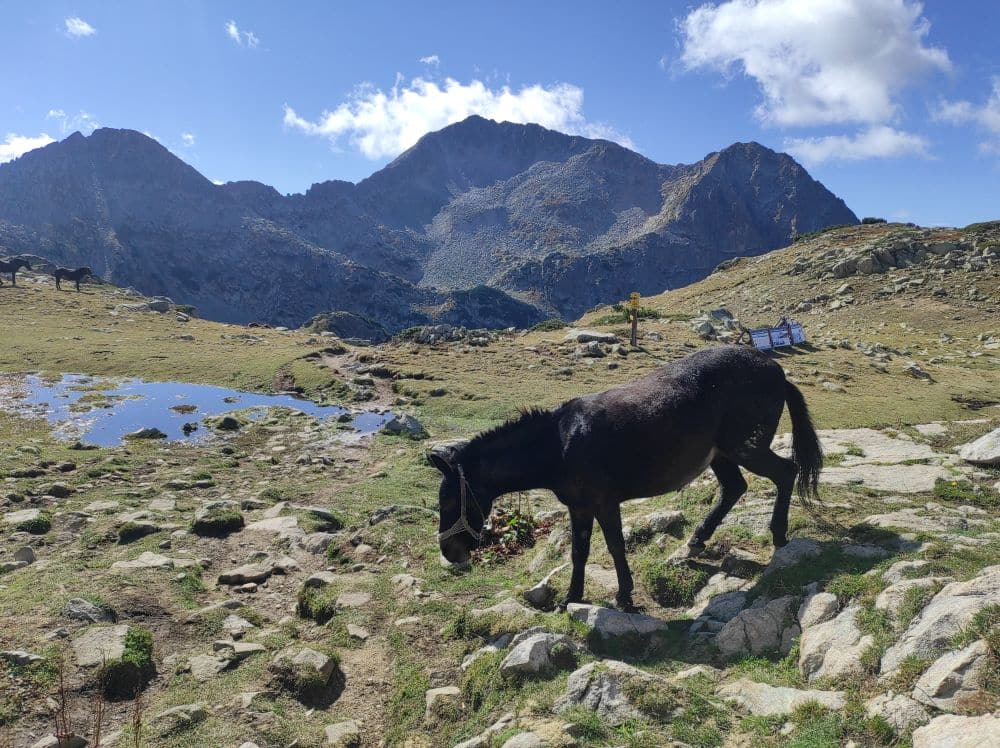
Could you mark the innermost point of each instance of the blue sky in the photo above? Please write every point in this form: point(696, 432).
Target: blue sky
point(893, 104)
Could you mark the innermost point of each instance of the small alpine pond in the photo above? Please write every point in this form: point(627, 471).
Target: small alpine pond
point(102, 411)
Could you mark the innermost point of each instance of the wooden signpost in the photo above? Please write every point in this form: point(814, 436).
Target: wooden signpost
point(633, 316)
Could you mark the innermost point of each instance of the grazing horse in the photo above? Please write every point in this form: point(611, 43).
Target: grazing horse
point(718, 407)
point(12, 265)
point(76, 275)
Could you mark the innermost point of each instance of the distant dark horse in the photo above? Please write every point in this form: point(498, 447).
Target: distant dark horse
point(719, 407)
point(11, 266)
point(76, 275)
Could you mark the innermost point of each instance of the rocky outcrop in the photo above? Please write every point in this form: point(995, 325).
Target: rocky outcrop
point(945, 616)
point(950, 731)
point(833, 649)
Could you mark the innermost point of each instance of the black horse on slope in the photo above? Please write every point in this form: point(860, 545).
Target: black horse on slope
point(12, 265)
point(76, 275)
point(719, 407)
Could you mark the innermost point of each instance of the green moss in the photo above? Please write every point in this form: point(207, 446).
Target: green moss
point(670, 584)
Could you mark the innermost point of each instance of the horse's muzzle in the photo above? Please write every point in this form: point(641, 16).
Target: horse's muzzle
point(455, 550)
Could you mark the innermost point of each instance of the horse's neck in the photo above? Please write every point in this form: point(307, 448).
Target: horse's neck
point(521, 458)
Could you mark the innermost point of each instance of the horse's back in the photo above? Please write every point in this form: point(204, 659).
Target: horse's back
point(657, 433)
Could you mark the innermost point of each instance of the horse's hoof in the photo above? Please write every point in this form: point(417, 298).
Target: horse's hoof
point(627, 606)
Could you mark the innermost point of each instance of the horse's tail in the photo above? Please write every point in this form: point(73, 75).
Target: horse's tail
point(806, 449)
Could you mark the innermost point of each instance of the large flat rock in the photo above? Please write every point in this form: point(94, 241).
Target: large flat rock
point(763, 700)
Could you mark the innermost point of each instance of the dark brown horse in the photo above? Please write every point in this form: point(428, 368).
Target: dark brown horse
point(717, 408)
point(12, 265)
point(76, 275)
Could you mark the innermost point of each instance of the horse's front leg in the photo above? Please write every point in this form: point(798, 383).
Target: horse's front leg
point(610, 519)
point(582, 527)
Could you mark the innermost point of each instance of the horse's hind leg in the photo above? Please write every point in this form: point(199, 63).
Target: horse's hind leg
point(731, 487)
point(781, 472)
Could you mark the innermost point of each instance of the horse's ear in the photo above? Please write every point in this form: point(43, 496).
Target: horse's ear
point(442, 461)
point(444, 456)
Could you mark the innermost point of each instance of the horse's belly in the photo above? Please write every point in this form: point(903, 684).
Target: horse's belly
point(671, 476)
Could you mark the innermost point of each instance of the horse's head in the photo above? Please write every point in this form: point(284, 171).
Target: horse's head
point(23, 263)
point(463, 511)
point(86, 272)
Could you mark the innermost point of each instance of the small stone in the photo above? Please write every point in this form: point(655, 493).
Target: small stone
point(358, 632)
point(180, 717)
point(442, 703)
point(343, 734)
point(353, 599)
point(83, 610)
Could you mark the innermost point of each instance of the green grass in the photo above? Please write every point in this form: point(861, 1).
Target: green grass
point(966, 492)
point(672, 585)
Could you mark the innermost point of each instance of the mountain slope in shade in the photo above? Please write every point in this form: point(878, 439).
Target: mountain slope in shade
point(479, 223)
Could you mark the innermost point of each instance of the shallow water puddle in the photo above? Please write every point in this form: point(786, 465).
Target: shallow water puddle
point(102, 411)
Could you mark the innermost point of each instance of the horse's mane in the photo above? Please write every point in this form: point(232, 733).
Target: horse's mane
point(525, 416)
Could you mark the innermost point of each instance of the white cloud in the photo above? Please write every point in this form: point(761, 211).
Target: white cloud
point(431, 60)
point(187, 139)
point(241, 37)
point(879, 141)
point(817, 62)
point(77, 27)
point(986, 116)
point(82, 121)
point(18, 145)
point(381, 124)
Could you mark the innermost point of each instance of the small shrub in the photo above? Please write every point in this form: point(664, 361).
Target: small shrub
point(317, 603)
point(673, 585)
point(37, 526)
point(548, 325)
point(125, 678)
point(129, 532)
point(872, 219)
point(218, 523)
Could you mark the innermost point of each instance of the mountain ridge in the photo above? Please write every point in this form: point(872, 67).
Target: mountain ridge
point(553, 223)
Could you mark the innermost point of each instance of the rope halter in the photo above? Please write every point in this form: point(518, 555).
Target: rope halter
point(462, 523)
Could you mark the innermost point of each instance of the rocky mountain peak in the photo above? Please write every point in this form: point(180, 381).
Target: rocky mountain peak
point(549, 223)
